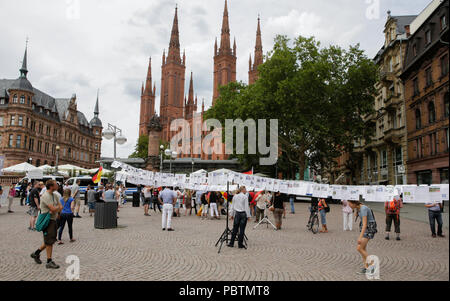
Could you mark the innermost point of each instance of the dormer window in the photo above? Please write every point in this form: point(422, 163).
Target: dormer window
point(427, 37)
point(443, 21)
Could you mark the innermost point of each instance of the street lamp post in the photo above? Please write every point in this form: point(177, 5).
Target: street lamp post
point(193, 165)
point(114, 132)
point(161, 158)
point(172, 155)
point(57, 157)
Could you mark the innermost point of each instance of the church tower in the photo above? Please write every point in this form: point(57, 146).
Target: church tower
point(172, 82)
point(148, 94)
point(190, 106)
point(224, 58)
point(258, 58)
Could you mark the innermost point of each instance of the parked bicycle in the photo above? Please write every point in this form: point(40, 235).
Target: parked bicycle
point(313, 223)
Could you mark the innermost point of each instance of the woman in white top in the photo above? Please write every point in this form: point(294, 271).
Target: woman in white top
point(347, 213)
point(147, 199)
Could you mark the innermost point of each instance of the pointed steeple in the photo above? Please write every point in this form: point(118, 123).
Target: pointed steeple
point(24, 70)
point(225, 45)
point(164, 57)
point(174, 45)
point(234, 47)
point(148, 83)
point(154, 89)
point(258, 46)
point(191, 91)
point(250, 62)
point(142, 89)
point(215, 47)
point(96, 110)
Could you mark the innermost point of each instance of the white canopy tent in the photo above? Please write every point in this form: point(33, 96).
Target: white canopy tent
point(71, 167)
point(223, 170)
point(46, 167)
point(20, 168)
point(105, 171)
point(200, 171)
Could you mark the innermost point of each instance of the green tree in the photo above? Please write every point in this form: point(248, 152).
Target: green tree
point(319, 96)
point(141, 148)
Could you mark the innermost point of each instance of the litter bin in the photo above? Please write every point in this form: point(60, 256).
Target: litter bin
point(136, 199)
point(105, 215)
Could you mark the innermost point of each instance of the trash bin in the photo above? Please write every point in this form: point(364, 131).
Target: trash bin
point(136, 199)
point(105, 215)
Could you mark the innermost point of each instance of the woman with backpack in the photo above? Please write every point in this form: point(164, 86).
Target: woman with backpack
point(66, 215)
point(323, 210)
point(368, 229)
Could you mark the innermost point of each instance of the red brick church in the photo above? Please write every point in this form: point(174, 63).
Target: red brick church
point(173, 102)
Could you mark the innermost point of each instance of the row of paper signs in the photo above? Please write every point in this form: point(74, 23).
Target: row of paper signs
point(217, 181)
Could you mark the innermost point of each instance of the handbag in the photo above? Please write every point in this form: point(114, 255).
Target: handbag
point(42, 222)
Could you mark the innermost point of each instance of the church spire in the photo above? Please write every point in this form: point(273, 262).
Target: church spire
point(174, 46)
point(225, 45)
point(148, 83)
point(258, 46)
point(191, 90)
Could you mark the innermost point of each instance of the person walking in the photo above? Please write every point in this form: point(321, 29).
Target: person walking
point(240, 213)
point(323, 210)
point(278, 207)
point(291, 201)
point(76, 197)
point(435, 215)
point(212, 202)
point(204, 206)
point(49, 204)
point(347, 213)
point(367, 228)
point(11, 195)
point(155, 201)
point(167, 198)
point(90, 195)
point(23, 191)
point(188, 202)
point(147, 199)
point(392, 210)
point(66, 215)
point(34, 202)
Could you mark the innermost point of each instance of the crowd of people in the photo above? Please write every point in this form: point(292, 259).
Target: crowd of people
point(62, 204)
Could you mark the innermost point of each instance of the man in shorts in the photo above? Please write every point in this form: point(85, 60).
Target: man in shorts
point(76, 198)
point(49, 204)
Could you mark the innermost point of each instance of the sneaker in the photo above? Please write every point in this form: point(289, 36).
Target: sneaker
point(29, 228)
point(9, 211)
point(441, 235)
point(164, 229)
point(398, 238)
point(170, 229)
point(36, 258)
point(52, 265)
point(433, 235)
point(387, 237)
point(362, 272)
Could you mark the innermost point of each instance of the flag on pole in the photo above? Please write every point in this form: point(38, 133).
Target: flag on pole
point(250, 172)
point(98, 175)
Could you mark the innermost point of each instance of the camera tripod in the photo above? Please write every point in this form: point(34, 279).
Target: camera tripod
point(265, 220)
point(225, 235)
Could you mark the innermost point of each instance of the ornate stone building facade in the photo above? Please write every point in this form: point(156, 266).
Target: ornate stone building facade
point(173, 102)
point(426, 79)
point(34, 125)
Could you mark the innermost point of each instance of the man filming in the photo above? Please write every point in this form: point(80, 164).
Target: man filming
point(240, 212)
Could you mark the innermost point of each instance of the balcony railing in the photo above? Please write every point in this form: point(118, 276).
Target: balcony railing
point(387, 76)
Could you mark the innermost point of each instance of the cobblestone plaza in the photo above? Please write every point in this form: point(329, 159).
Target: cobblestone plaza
point(139, 250)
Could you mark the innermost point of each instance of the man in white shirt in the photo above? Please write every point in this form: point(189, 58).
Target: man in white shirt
point(240, 212)
point(167, 198)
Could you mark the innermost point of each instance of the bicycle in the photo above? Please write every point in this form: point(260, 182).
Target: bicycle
point(313, 223)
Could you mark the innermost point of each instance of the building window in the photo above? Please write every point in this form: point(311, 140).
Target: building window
point(22, 99)
point(13, 120)
point(446, 106)
point(428, 77)
point(11, 141)
point(383, 159)
point(424, 177)
point(431, 112)
point(419, 146)
point(15, 98)
point(444, 65)
point(416, 86)
point(20, 121)
point(443, 22)
point(1, 120)
point(444, 175)
point(398, 156)
point(25, 142)
point(18, 141)
point(427, 37)
point(31, 145)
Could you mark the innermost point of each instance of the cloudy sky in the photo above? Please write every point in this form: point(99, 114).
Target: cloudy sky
point(79, 46)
